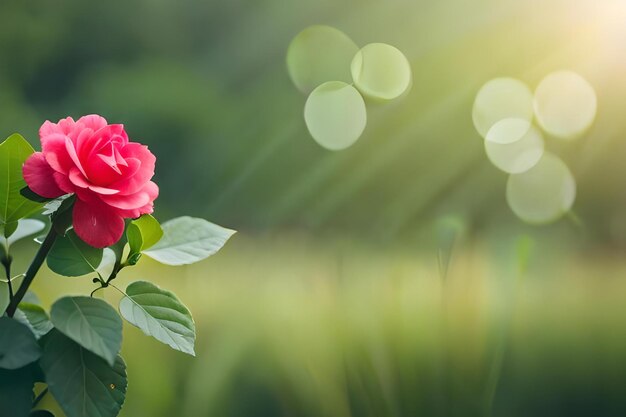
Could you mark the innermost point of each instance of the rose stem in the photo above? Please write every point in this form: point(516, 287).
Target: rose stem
point(6, 261)
point(32, 270)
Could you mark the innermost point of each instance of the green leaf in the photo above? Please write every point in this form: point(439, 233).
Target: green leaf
point(13, 206)
point(41, 413)
point(72, 257)
point(34, 317)
point(53, 206)
point(159, 314)
point(18, 346)
point(134, 258)
point(16, 391)
point(8, 229)
point(83, 384)
point(90, 322)
point(143, 233)
point(25, 228)
point(62, 217)
point(5, 298)
point(118, 247)
point(187, 240)
point(31, 298)
point(106, 267)
point(29, 194)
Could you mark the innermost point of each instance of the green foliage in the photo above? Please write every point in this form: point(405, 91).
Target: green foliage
point(29, 194)
point(13, 206)
point(71, 257)
point(83, 384)
point(82, 338)
point(75, 350)
point(90, 322)
point(16, 391)
point(118, 248)
point(4, 295)
point(8, 229)
point(187, 240)
point(18, 346)
point(22, 229)
point(107, 265)
point(142, 233)
point(35, 317)
point(159, 314)
point(25, 228)
point(41, 413)
point(61, 215)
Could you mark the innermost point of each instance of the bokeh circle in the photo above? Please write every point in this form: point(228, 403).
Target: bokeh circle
point(335, 115)
point(544, 193)
point(381, 71)
point(501, 98)
point(319, 54)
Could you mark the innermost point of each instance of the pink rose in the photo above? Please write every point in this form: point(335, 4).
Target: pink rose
point(109, 175)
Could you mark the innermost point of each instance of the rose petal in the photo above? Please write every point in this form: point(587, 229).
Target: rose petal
point(63, 182)
point(77, 178)
point(97, 224)
point(146, 195)
point(39, 176)
point(111, 160)
point(106, 135)
point(64, 127)
point(132, 183)
point(71, 151)
point(55, 151)
point(93, 122)
point(67, 126)
point(127, 202)
point(103, 172)
point(88, 196)
point(83, 141)
point(103, 190)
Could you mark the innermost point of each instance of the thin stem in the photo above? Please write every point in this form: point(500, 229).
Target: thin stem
point(97, 289)
point(6, 261)
point(32, 270)
point(116, 270)
point(40, 397)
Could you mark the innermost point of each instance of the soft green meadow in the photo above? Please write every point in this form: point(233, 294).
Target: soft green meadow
point(290, 326)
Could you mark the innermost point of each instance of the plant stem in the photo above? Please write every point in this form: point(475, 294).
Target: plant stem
point(32, 270)
point(6, 261)
point(40, 397)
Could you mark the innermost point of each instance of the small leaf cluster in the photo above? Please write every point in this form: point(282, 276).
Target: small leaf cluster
point(74, 350)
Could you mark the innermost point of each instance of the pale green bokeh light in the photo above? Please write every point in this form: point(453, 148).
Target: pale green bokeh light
point(544, 193)
point(381, 71)
point(501, 98)
point(335, 115)
point(565, 104)
point(514, 145)
point(319, 54)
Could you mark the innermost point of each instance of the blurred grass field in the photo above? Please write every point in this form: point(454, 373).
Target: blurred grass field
point(290, 326)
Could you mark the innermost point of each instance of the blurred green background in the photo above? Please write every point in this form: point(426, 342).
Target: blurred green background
point(334, 299)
